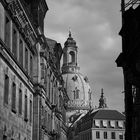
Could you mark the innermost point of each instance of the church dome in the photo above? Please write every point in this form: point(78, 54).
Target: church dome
point(78, 90)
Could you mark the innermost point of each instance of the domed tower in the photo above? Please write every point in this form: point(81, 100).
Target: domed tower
point(70, 56)
point(76, 85)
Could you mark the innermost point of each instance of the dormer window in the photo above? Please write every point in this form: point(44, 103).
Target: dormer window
point(120, 124)
point(104, 123)
point(97, 123)
point(112, 123)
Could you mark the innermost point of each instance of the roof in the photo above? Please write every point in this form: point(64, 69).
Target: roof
point(51, 42)
point(105, 114)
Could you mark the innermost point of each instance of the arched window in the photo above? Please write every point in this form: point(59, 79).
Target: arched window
point(71, 57)
point(76, 93)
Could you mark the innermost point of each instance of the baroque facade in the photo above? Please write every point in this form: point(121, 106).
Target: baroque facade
point(32, 95)
point(129, 60)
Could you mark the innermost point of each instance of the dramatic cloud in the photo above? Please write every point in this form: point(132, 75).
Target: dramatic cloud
point(95, 25)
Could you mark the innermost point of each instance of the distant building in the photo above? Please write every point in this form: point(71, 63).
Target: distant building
point(99, 124)
point(76, 85)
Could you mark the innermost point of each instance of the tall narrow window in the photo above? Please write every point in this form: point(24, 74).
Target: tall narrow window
point(6, 89)
point(76, 93)
point(25, 108)
point(31, 65)
point(46, 121)
point(71, 57)
point(4, 137)
point(20, 102)
point(21, 52)
point(121, 136)
point(14, 43)
point(113, 136)
point(14, 97)
point(43, 116)
point(97, 134)
point(105, 135)
point(7, 32)
point(31, 111)
point(26, 59)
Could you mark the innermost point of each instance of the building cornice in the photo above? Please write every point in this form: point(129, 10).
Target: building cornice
point(23, 19)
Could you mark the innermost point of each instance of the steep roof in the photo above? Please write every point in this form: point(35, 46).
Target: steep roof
point(51, 42)
point(105, 114)
point(108, 114)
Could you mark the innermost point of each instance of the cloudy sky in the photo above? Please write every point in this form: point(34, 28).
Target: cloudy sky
point(94, 25)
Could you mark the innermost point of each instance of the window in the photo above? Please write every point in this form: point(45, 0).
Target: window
point(14, 97)
point(14, 43)
point(89, 94)
point(46, 121)
point(21, 52)
point(4, 137)
point(97, 123)
point(105, 135)
point(113, 135)
point(97, 134)
point(31, 111)
point(25, 108)
point(7, 32)
point(71, 57)
point(20, 102)
point(121, 136)
point(31, 65)
point(112, 123)
point(76, 93)
point(26, 59)
point(42, 116)
point(6, 89)
point(120, 124)
point(104, 123)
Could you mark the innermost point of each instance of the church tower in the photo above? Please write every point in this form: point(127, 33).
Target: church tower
point(70, 56)
point(102, 100)
point(76, 85)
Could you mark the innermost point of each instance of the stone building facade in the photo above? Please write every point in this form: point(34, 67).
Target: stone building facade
point(32, 95)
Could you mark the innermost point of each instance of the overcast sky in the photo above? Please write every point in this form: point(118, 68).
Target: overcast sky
point(94, 25)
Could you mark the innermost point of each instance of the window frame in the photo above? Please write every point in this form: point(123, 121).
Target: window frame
point(6, 89)
point(20, 102)
point(113, 135)
point(13, 98)
point(97, 134)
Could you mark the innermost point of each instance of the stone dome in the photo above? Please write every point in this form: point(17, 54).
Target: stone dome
point(78, 90)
